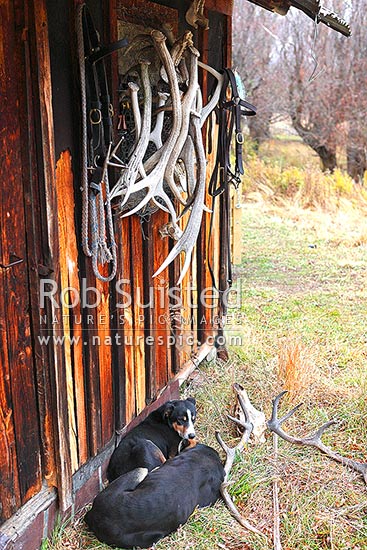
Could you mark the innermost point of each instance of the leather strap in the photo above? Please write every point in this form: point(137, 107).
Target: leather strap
point(99, 106)
point(228, 114)
point(104, 51)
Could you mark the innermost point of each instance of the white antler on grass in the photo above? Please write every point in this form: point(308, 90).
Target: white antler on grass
point(257, 418)
point(230, 456)
point(314, 440)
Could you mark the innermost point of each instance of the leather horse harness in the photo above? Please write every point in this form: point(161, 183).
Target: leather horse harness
point(231, 107)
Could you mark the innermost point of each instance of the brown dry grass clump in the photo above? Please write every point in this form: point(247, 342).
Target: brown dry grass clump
point(296, 368)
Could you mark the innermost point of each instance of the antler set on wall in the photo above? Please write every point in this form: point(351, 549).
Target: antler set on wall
point(173, 177)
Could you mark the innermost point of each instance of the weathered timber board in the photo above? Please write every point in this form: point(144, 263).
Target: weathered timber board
point(160, 285)
point(128, 322)
point(50, 248)
point(20, 377)
point(71, 316)
point(137, 284)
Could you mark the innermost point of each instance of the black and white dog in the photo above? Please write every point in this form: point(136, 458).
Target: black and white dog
point(139, 508)
point(156, 439)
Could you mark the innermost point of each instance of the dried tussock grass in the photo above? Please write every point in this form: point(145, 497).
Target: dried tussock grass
point(305, 186)
point(296, 367)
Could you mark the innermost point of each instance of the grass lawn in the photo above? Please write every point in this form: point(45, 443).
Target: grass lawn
point(301, 314)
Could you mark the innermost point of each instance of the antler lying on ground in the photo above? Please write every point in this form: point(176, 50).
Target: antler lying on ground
point(257, 418)
point(230, 456)
point(275, 423)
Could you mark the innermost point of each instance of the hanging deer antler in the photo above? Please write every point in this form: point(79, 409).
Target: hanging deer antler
point(187, 104)
point(230, 456)
point(210, 106)
point(188, 240)
point(155, 178)
point(195, 15)
point(314, 440)
point(156, 134)
point(177, 169)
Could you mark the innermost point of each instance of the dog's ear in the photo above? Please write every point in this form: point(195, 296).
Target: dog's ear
point(167, 409)
point(192, 400)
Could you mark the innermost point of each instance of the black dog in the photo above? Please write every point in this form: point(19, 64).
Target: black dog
point(138, 508)
point(157, 438)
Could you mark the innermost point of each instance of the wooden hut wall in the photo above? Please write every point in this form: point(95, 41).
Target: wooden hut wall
point(62, 401)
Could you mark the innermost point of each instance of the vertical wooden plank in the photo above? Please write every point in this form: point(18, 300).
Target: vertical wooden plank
point(118, 331)
point(117, 325)
point(212, 248)
point(23, 386)
point(10, 498)
point(225, 207)
point(175, 315)
point(64, 480)
point(66, 257)
point(194, 299)
point(34, 218)
point(205, 240)
point(160, 285)
point(105, 361)
point(97, 321)
point(15, 279)
point(137, 276)
point(71, 316)
point(228, 37)
point(127, 312)
point(185, 333)
point(160, 331)
point(91, 357)
point(10, 491)
point(217, 54)
point(150, 369)
point(236, 218)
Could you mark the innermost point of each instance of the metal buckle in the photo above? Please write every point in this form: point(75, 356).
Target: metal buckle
point(92, 112)
point(239, 138)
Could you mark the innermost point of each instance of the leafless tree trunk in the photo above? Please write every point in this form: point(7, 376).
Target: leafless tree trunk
point(312, 74)
point(356, 155)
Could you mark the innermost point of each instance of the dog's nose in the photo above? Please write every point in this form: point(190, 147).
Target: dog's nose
point(191, 436)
